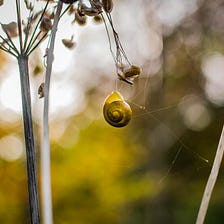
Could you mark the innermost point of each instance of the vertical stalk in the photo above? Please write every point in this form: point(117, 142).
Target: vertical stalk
point(211, 180)
point(29, 139)
point(45, 155)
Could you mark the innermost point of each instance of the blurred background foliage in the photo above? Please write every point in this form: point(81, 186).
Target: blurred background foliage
point(155, 169)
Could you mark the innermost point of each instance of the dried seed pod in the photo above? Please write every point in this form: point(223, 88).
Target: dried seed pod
point(132, 72)
point(80, 18)
point(107, 5)
point(68, 1)
point(11, 29)
point(129, 74)
point(116, 111)
point(45, 24)
point(69, 43)
point(98, 19)
point(89, 11)
point(41, 90)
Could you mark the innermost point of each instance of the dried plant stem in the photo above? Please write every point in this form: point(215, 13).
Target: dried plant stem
point(211, 180)
point(45, 155)
point(29, 139)
point(19, 22)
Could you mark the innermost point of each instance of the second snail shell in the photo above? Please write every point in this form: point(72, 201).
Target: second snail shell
point(116, 111)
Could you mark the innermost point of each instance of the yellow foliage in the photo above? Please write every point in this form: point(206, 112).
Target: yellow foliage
point(95, 177)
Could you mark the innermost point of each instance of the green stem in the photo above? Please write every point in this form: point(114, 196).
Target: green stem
point(29, 139)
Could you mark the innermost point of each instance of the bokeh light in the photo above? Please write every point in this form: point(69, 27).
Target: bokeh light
point(11, 148)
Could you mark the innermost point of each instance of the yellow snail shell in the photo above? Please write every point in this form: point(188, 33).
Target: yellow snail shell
point(116, 111)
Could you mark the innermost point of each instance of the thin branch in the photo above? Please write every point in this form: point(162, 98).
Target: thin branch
point(7, 50)
point(3, 47)
point(30, 17)
point(109, 40)
point(66, 9)
point(10, 43)
point(34, 37)
point(211, 180)
point(19, 24)
point(5, 41)
point(45, 155)
point(37, 44)
point(117, 40)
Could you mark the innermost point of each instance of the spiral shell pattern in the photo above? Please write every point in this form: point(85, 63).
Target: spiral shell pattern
point(116, 111)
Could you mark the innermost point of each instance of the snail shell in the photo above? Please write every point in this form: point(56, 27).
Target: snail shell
point(116, 111)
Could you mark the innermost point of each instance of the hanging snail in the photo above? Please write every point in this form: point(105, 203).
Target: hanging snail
point(116, 111)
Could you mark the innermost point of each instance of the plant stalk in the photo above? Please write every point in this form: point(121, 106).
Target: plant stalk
point(45, 155)
point(29, 139)
point(211, 180)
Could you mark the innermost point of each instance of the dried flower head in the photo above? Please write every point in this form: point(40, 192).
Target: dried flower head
point(1, 2)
